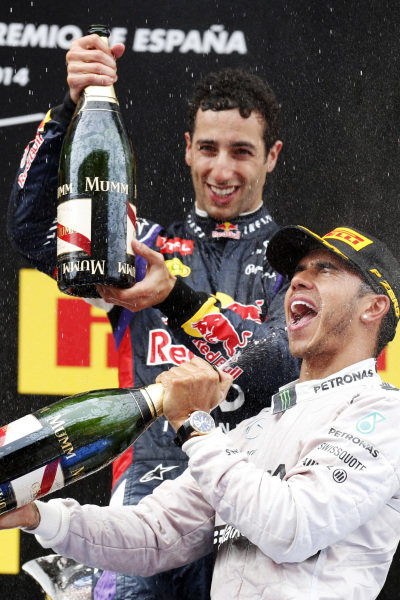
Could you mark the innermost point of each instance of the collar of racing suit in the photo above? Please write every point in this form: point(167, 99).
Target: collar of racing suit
point(244, 226)
point(354, 375)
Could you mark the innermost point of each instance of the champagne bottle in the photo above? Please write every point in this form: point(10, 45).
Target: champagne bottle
point(70, 439)
point(96, 195)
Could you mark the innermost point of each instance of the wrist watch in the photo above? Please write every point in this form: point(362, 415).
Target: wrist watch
point(199, 423)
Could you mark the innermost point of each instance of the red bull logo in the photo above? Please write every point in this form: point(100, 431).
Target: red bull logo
point(226, 230)
point(29, 157)
point(215, 328)
point(247, 311)
point(217, 359)
point(163, 351)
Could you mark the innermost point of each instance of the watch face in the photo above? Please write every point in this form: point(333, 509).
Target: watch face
point(202, 421)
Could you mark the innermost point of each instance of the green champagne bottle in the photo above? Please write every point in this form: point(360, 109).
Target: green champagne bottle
point(96, 195)
point(70, 439)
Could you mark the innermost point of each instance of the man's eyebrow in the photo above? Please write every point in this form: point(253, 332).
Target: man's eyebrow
point(242, 145)
point(323, 264)
point(320, 264)
point(298, 268)
point(205, 141)
point(238, 144)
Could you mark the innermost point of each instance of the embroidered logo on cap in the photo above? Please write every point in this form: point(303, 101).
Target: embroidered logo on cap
point(350, 237)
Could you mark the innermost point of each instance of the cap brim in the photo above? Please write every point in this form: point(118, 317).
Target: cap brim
point(290, 244)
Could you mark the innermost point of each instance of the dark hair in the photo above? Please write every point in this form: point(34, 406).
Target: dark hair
point(385, 333)
point(236, 88)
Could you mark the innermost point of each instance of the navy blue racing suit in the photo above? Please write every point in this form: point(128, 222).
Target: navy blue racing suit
point(226, 298)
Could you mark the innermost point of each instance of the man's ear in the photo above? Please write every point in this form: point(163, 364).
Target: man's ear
point(375, 308)
point(273, 154)
point(188, 157)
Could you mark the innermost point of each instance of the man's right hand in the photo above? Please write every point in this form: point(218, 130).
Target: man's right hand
point(193, 385)
point(91, 62)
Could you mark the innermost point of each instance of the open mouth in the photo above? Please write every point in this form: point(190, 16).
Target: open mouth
point(223, 193)
point(301, 313)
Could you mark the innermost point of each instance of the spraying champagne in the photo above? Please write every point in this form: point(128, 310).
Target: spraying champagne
point(70, 439)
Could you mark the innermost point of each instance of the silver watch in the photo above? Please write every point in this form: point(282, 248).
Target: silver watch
point(199, 422)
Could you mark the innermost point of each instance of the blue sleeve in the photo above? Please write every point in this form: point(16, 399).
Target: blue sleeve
point(32, 211)
point(258, 352)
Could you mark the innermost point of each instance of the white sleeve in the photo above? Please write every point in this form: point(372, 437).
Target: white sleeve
point(293, 518)
point(167, 529)
point(54, 522)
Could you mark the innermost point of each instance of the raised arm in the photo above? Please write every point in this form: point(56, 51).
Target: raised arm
point(32, 212)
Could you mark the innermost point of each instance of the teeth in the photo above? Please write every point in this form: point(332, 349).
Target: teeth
point(297, 303)
point(223, 191)
point(300, 309)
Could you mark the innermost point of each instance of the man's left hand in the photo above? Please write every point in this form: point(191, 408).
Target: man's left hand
point(27, 516)
point(154, 288)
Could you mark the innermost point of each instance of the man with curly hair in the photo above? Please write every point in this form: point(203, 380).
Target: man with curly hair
point(208, 288)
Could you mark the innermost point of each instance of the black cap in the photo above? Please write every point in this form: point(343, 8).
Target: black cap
point(369, 256)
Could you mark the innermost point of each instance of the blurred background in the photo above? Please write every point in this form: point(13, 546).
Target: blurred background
point(335, 69)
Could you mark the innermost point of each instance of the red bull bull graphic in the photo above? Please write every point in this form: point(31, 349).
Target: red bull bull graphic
point(215, 328)
point(30, 157)
point(247, 311)
point(226, 230)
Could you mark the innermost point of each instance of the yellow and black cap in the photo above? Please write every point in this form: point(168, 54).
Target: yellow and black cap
point(368, 256)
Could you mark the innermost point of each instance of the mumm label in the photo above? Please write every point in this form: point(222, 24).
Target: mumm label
point(94, 184)
point(58, 428)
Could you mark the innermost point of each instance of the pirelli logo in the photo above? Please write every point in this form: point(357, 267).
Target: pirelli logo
point(350, 237)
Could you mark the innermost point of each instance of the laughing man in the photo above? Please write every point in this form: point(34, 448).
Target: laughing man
point(301, 501)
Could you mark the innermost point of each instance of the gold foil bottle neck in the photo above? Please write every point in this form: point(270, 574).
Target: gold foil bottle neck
point(154, 394)
point(99, 93)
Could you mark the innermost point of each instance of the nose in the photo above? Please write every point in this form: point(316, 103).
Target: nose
point(222, 169)
point(301, 279)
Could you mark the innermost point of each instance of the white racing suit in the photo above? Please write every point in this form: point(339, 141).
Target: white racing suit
point(301, 501)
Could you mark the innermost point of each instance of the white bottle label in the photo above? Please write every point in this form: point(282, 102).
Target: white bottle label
point(74, 229)
point(19, 429)
point(38, 483)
